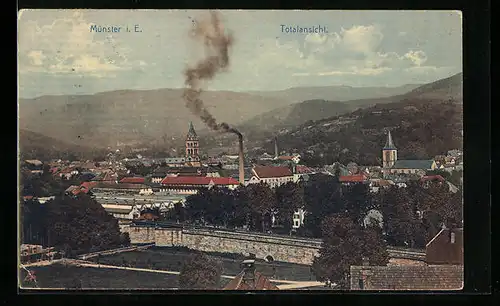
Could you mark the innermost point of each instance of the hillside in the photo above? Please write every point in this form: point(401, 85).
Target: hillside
point(420, 128)
point(299, 113)
point(425, 122)
point(335, 93)
point(296, 114)
point(132, 117)
point(34, 145)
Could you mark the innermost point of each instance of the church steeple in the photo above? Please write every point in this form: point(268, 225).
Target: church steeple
point(389, 153)
point(191, 133)
point(389, 145)
point(192, 146)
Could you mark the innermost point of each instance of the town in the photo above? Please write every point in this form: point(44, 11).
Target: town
point(223, 150)
point(266, 194)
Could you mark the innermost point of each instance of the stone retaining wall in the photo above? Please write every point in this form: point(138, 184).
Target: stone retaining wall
point(278, 248)
point(274, 248)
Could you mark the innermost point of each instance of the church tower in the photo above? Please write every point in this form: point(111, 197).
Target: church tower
point(389, 153)
point(192, 146)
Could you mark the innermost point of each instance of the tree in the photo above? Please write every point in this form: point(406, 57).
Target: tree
point(261, 200)
point(357, 201)
point(322, 197)
point(200, 271)
point(80, 224)
point(289, 198)
point(346, 243)
point(197, 205)
point(399, 213)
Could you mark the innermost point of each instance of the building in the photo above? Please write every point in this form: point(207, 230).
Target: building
point(392, 165)
point(248, 279)
point(122, 212)
point(271, 175)
point(192, 148)
point(298, 218)
point(133, 180)
point(192, 184)
point(440, 277)
point(34, 252)
point(353, 179)
point(446, 248)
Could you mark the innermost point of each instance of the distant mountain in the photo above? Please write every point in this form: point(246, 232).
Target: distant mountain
point(133, 117)
point(335, 93)
point(35, 145)
point(424, 122)
point(299, 113)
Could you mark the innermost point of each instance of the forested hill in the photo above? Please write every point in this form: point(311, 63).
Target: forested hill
point(299, 113)
point(33, 145)
point(421, 129)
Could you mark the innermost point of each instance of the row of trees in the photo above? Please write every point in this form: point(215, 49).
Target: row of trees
point(411, 215)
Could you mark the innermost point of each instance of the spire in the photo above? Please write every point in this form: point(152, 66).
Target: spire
point(192, 132)
point(389, 145)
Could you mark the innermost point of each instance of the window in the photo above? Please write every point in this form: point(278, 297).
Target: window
point(452, 237)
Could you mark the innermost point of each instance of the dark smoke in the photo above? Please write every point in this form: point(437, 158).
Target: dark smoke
point(217, 43)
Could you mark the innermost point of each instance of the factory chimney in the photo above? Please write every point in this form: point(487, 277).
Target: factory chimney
point(276, 152)
point(241, 161)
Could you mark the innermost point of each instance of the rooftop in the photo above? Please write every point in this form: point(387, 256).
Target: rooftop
point(439, 277)
point(272, 171)
point(198, 180)
point(389, 145)
point(357, 178)
point(260, 283)
point(413, 164)
point(133, 180)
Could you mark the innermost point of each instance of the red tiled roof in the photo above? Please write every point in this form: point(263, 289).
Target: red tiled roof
point(432, 177)
point(286, 157)
point(198, 180)
point(272, 171)
point(261, 283)
point(86, 186)
point(353, 178)
point(303, 169)
point(132, 180)
point(54, 169)
point(27, 198)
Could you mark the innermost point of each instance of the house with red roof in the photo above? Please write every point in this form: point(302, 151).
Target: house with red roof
point(133, 180)
point(191, 184)
point(274, 176)
point(353, 179)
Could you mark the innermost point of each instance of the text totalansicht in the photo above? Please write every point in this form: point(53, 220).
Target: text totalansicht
point(306, 30)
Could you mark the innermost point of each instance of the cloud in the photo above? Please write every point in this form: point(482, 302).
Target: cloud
point(363, 39)
point(357, 51)
point(66, 46)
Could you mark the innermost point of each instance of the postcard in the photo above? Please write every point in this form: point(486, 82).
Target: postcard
point(240, 150)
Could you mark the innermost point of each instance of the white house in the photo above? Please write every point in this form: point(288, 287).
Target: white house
point(298, 218)
point(274, 176)
point(127, 212)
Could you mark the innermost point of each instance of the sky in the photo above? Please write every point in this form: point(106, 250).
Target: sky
point(58, 53)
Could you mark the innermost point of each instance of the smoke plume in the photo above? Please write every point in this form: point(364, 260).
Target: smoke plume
point(217, 45)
